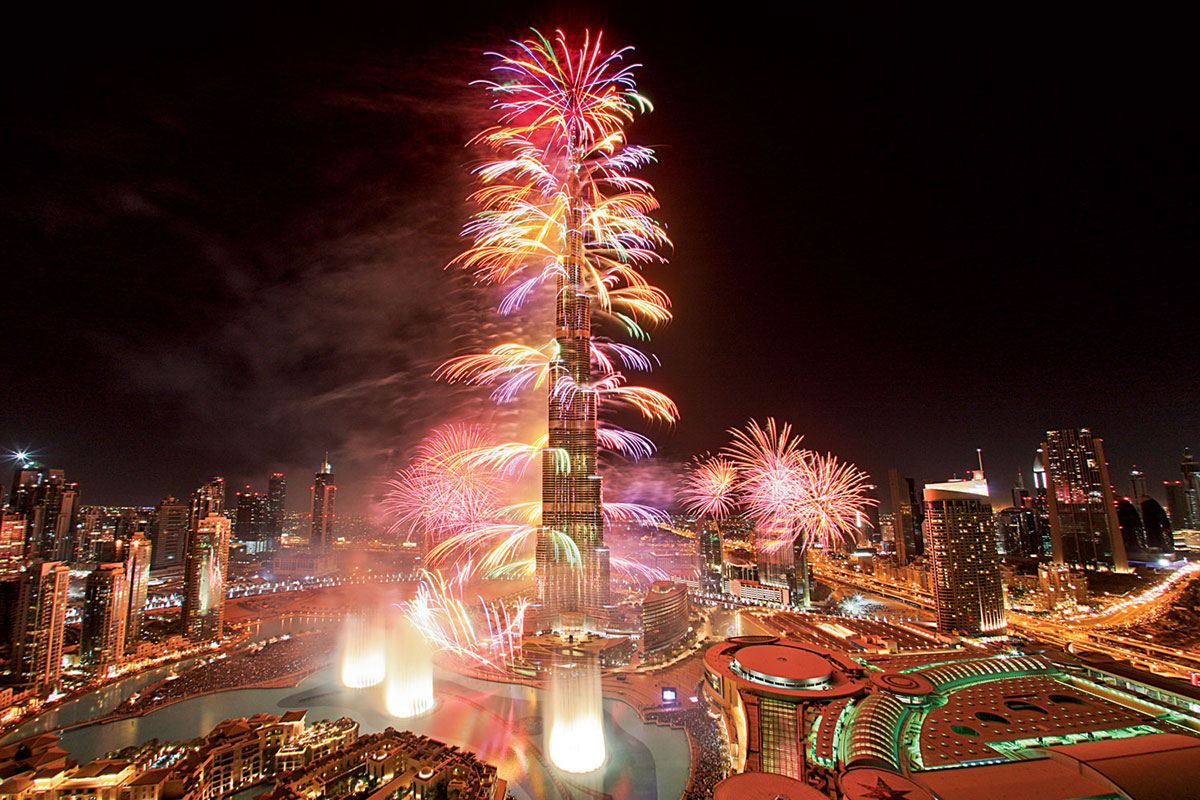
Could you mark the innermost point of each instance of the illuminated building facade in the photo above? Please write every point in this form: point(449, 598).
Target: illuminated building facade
point(208, 499)
point(137, 571)
point(952, 724)
point(1081, 505)
point(40, 620)
point(961, 535)
point(665, 616)
point(170, 533)
point(571, 491)
point(204, 579)
point(105, 613)
point(12, 543)
point(50, 506)
point(324, 507)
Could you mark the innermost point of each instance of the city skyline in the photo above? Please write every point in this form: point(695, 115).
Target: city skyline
point(856, 250)
point(886, 220)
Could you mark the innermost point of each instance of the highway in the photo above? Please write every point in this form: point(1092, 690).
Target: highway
point(1078, 632)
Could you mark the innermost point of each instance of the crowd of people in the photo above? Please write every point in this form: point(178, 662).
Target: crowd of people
point(710, 754)
point(275, 661)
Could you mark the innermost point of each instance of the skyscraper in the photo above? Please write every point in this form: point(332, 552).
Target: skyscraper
point(170, 533)
point(105, 612)
point(276, 506)
point(324, 506)
point(137, 572)
point(966, 567)
point(50, 505)
point(1041, 502)
point(204, 578)
point(252, 520)
point(708, 541)
point(208, 499)
point(1083, 511)
point(1137, 480)
point(1191, 482)
point(907, 517)
point(571, 492)
point(1178, 506)
point(40, 620)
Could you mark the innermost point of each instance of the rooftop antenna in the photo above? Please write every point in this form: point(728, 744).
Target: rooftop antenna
point(979, 452)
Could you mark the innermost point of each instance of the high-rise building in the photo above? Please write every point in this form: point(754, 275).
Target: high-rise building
point(966, 567)
point(170, 533)
point(204, 578)
point(40, 620)
point(252, 522)
point(276, 505)
point(1083, 510)
point(50, 505)
point(105, 612)
point(665, 616)
point(1137, 481)
point(207, 500)
point(709, 545)
point(1020, 495)
point(12, 543)
point(1040, 500)
point(1177, 504)
point(138, 558)
point(907, 517)
point(1190, 468)
point(572, 491)
point(324, 506)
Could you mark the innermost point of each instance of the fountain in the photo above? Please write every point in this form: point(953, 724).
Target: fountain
point(575, 738)
point(363, 653)
point(409, 690)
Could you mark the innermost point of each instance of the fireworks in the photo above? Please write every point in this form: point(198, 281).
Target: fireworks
point(488, 634)
point(708, 488)
point(789, 492)
point(559, 214)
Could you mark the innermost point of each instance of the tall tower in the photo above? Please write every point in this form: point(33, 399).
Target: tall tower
point(966, 567)
point(39, 624)
point(276, 506)
point(1137, 479)
point(1083, 510)
point(571, 487)
point(324, 506)
point(105, 613)
point(137, 573)
point(204, 578)
point(712, 558)
point(208, 499)
point(50, 505)
point(170, 533)
point(1190, 468)
point(907, 517)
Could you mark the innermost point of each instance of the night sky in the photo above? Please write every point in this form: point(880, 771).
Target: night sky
point(911, 236)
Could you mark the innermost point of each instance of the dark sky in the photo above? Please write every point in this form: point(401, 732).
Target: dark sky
point(911, 236)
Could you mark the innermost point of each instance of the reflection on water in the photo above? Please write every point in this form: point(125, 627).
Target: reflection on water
point(501, 723)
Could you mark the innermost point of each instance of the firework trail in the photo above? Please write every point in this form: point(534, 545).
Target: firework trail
point(559, 211)
point(485, 633)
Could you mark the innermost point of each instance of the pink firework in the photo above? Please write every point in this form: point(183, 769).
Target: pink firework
point(709, 488)
point(792, 493)
point(443, 493)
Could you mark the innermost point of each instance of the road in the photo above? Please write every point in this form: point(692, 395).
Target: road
point(1079, 632)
